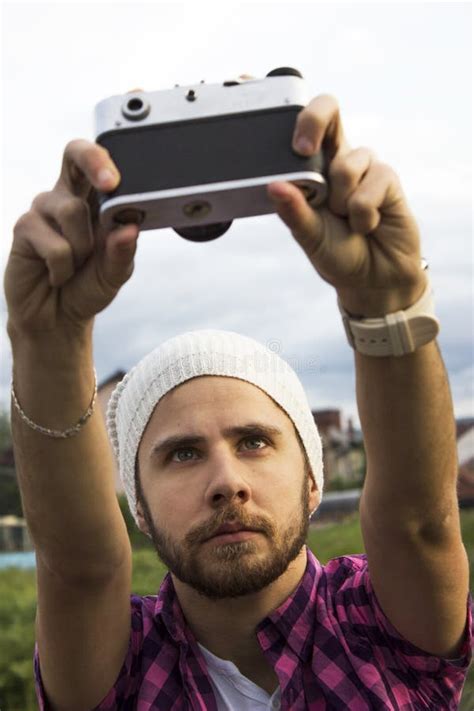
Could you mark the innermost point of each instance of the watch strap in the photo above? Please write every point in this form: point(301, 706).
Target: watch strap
point(394, 334)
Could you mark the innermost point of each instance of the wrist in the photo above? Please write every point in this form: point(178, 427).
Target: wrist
point(377, 303)
point(51, 349)
point(53, 376)
point(397, 333)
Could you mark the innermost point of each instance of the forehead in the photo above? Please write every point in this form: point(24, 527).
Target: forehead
point(220, 396)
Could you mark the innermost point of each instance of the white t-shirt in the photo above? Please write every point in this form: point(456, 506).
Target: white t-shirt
point(233, 691)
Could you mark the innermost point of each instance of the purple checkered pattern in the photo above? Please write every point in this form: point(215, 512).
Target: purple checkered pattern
point(330, 644)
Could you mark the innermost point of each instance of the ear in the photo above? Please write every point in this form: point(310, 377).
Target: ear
point(314, 494)
point(142, 524)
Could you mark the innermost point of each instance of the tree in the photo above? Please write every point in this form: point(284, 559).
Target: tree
point(5, 431)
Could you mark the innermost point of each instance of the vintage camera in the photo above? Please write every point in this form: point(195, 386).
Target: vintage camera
point(196, 157)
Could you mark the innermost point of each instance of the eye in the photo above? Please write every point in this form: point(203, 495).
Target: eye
point(184, 450)
point(256, 439)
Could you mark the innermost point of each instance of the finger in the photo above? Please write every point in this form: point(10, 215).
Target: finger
point(379, 192)
point(120, 248)
point(319, 125)
point(70, 216)
point(87, 164)
point(134, 91)
point(36, 240)
point(291, 206)
point(345, 173)
point(102, 278)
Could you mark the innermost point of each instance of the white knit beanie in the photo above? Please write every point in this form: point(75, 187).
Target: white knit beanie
point(206, 352)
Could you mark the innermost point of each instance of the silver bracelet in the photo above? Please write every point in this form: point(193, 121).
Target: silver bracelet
point(71, 431)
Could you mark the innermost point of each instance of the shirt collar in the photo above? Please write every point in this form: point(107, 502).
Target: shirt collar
point(167, 608)
point(291, 623)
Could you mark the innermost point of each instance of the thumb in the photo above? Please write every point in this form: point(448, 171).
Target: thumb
point(305, 223)
point(120, 248)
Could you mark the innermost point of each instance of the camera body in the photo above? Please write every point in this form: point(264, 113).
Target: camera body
point(196, 157)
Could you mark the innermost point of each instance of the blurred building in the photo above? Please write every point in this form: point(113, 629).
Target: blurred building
point(465, 446)
point(463, 424)
point(343, 451)
point(14, 535)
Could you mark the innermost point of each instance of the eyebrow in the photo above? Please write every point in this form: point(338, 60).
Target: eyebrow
point(190, 440)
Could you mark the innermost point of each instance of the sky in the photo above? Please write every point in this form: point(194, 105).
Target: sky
point(402, 75)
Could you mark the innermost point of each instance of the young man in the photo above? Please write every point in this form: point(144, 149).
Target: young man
point(247, 618)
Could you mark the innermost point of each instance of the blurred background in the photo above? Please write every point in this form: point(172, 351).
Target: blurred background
point(402, 74)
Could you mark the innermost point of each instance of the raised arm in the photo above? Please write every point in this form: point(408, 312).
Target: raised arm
point(62, 270)
point(365, 243)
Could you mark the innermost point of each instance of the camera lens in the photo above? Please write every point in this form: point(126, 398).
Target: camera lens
point(285, 72)
point(203, 233)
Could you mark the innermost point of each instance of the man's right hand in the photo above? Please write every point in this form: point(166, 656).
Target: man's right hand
point(63, 268)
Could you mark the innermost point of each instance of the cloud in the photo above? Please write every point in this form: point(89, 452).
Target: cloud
point(398, 94)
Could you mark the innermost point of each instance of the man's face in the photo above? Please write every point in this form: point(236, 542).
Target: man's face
point(236, 460)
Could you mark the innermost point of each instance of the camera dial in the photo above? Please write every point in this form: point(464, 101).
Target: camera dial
point(135, 108)
point(129, 215)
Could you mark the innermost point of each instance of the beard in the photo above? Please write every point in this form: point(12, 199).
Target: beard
point(231, 570)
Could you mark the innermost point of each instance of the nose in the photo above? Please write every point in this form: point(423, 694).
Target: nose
point(227, 482)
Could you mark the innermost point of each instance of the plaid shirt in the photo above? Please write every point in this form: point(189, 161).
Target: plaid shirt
point(330, 644)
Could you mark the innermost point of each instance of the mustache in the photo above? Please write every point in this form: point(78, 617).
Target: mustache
point(231, 515)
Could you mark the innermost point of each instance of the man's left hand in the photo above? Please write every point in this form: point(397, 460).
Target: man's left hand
point(364, 240)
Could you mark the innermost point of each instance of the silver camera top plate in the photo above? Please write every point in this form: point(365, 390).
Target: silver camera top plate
point(198, 101)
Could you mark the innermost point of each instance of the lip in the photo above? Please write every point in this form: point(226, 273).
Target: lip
point(233, 536)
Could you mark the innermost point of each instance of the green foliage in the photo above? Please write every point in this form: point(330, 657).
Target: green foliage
point(336, 539)
point(148, 572)
point(17, 616)
point(467, 525)
point(10, 499)
point(5, 431)
point(137, 538)
point(18, 604)
point(340, 484)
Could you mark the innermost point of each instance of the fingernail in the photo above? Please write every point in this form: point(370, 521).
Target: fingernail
point(304, 145)
point(106, 177)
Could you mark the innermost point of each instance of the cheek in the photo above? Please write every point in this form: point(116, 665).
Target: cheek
point(172, 507)
point(286, 498)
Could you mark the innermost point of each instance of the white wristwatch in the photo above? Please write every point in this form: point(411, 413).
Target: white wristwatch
point(394, 334)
